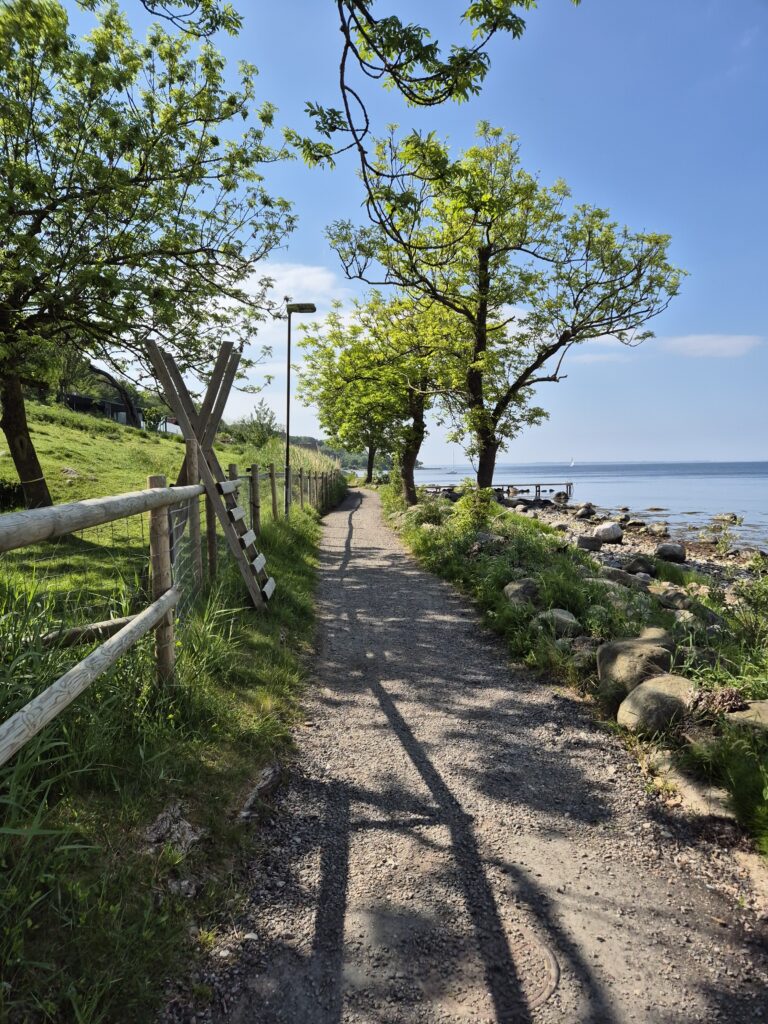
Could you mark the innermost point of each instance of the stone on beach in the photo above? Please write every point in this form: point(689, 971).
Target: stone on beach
point(587, 543)
point(671, 552)
point(624, 664)
point(608, 533)
point(655, 704)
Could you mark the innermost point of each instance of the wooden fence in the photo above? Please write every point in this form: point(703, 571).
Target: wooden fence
point(22, 529)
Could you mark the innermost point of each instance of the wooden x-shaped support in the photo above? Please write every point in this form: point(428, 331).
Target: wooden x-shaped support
point(201, 428)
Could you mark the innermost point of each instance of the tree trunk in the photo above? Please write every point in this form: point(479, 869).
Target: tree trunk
point(14, 426)
point(371, 460)
point(412, 446)
point(132, 417)
point(486, 464)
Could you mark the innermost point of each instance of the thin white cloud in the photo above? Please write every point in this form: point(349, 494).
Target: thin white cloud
point(711, 346)
point(300, 282)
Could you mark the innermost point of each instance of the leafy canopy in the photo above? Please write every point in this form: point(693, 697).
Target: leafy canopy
point(131, 204)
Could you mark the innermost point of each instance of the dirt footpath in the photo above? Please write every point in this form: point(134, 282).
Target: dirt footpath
point(460, 842)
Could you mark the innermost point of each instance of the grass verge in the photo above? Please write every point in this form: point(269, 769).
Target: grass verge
point(91, 918)
point(481, 547)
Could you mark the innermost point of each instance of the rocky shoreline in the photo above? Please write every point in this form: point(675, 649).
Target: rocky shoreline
point(709, 554)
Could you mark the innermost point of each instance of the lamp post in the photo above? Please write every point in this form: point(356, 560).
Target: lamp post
point(292, 307)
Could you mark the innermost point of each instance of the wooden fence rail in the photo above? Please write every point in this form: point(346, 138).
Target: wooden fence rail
point(19, 529)
point(42, 709)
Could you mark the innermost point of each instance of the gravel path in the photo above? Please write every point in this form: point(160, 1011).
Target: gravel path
point(460, 842)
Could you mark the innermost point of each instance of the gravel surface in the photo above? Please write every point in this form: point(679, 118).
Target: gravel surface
point(462, 842)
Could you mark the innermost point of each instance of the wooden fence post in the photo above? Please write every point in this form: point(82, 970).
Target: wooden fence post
point(210, 537)
point(301, 487)
point(162, 580)
point(193, 477)
point(255, 500)
point(273, 486)
point(232, 472)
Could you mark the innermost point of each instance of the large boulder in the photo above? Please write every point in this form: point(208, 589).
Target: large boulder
point(641, 563)
point(608, 533)
point(656, 704)
point(624, 664)
point(671, 552)
point(559, 622)
point(520, 592)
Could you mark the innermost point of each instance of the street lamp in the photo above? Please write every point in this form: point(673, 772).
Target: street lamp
point(292, 307)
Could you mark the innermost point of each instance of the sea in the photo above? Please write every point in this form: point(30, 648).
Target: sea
point(685, 494)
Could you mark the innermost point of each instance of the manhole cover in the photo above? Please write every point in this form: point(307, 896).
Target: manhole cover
point(535, 965)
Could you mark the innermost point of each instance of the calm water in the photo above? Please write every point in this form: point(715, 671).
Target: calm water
point(689, 493)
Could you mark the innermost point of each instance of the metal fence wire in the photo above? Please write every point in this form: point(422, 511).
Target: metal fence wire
point(91, 575)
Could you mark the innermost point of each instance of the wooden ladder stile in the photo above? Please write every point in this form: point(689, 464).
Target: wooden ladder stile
point(222, 492)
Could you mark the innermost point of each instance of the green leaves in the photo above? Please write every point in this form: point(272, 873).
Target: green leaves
point(519, 272)
point(131, 204)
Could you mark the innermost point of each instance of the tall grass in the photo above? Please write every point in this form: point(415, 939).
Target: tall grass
point(89, 925)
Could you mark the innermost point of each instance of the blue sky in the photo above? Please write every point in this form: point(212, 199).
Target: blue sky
point(657, 110)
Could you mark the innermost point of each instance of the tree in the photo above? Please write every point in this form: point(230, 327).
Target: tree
point(337, 377)
point(406, 58)
point(258, 427)
point(125, 212)
point(525, 275)
point(380, 368)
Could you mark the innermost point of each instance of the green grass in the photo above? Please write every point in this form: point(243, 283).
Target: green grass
point(529, 549)
point(443, 537)
point(90, 925)
point(111, 459)
point(89, 928)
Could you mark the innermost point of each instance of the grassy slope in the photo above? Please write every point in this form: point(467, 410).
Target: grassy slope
point(109, 458)
point(89, 922)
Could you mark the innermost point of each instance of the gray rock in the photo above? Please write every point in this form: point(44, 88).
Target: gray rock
point(559, 621)
point(560, 497)
point(624, 664)
point(634, 524)
point(756, 716)
point(641, 563)
point(525, 591)
point(672, 597)
point(657, 529)
point(655, 704)
point(686, 620)
point(588, 543)
point(626, 579)
point(671, 552)
point(585, 512)
point(608, 533)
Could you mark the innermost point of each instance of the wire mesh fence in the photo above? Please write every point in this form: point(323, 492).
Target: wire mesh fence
point(93, 574)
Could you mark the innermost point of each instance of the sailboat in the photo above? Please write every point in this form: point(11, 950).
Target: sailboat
point(452, 470)
point(573, 463)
